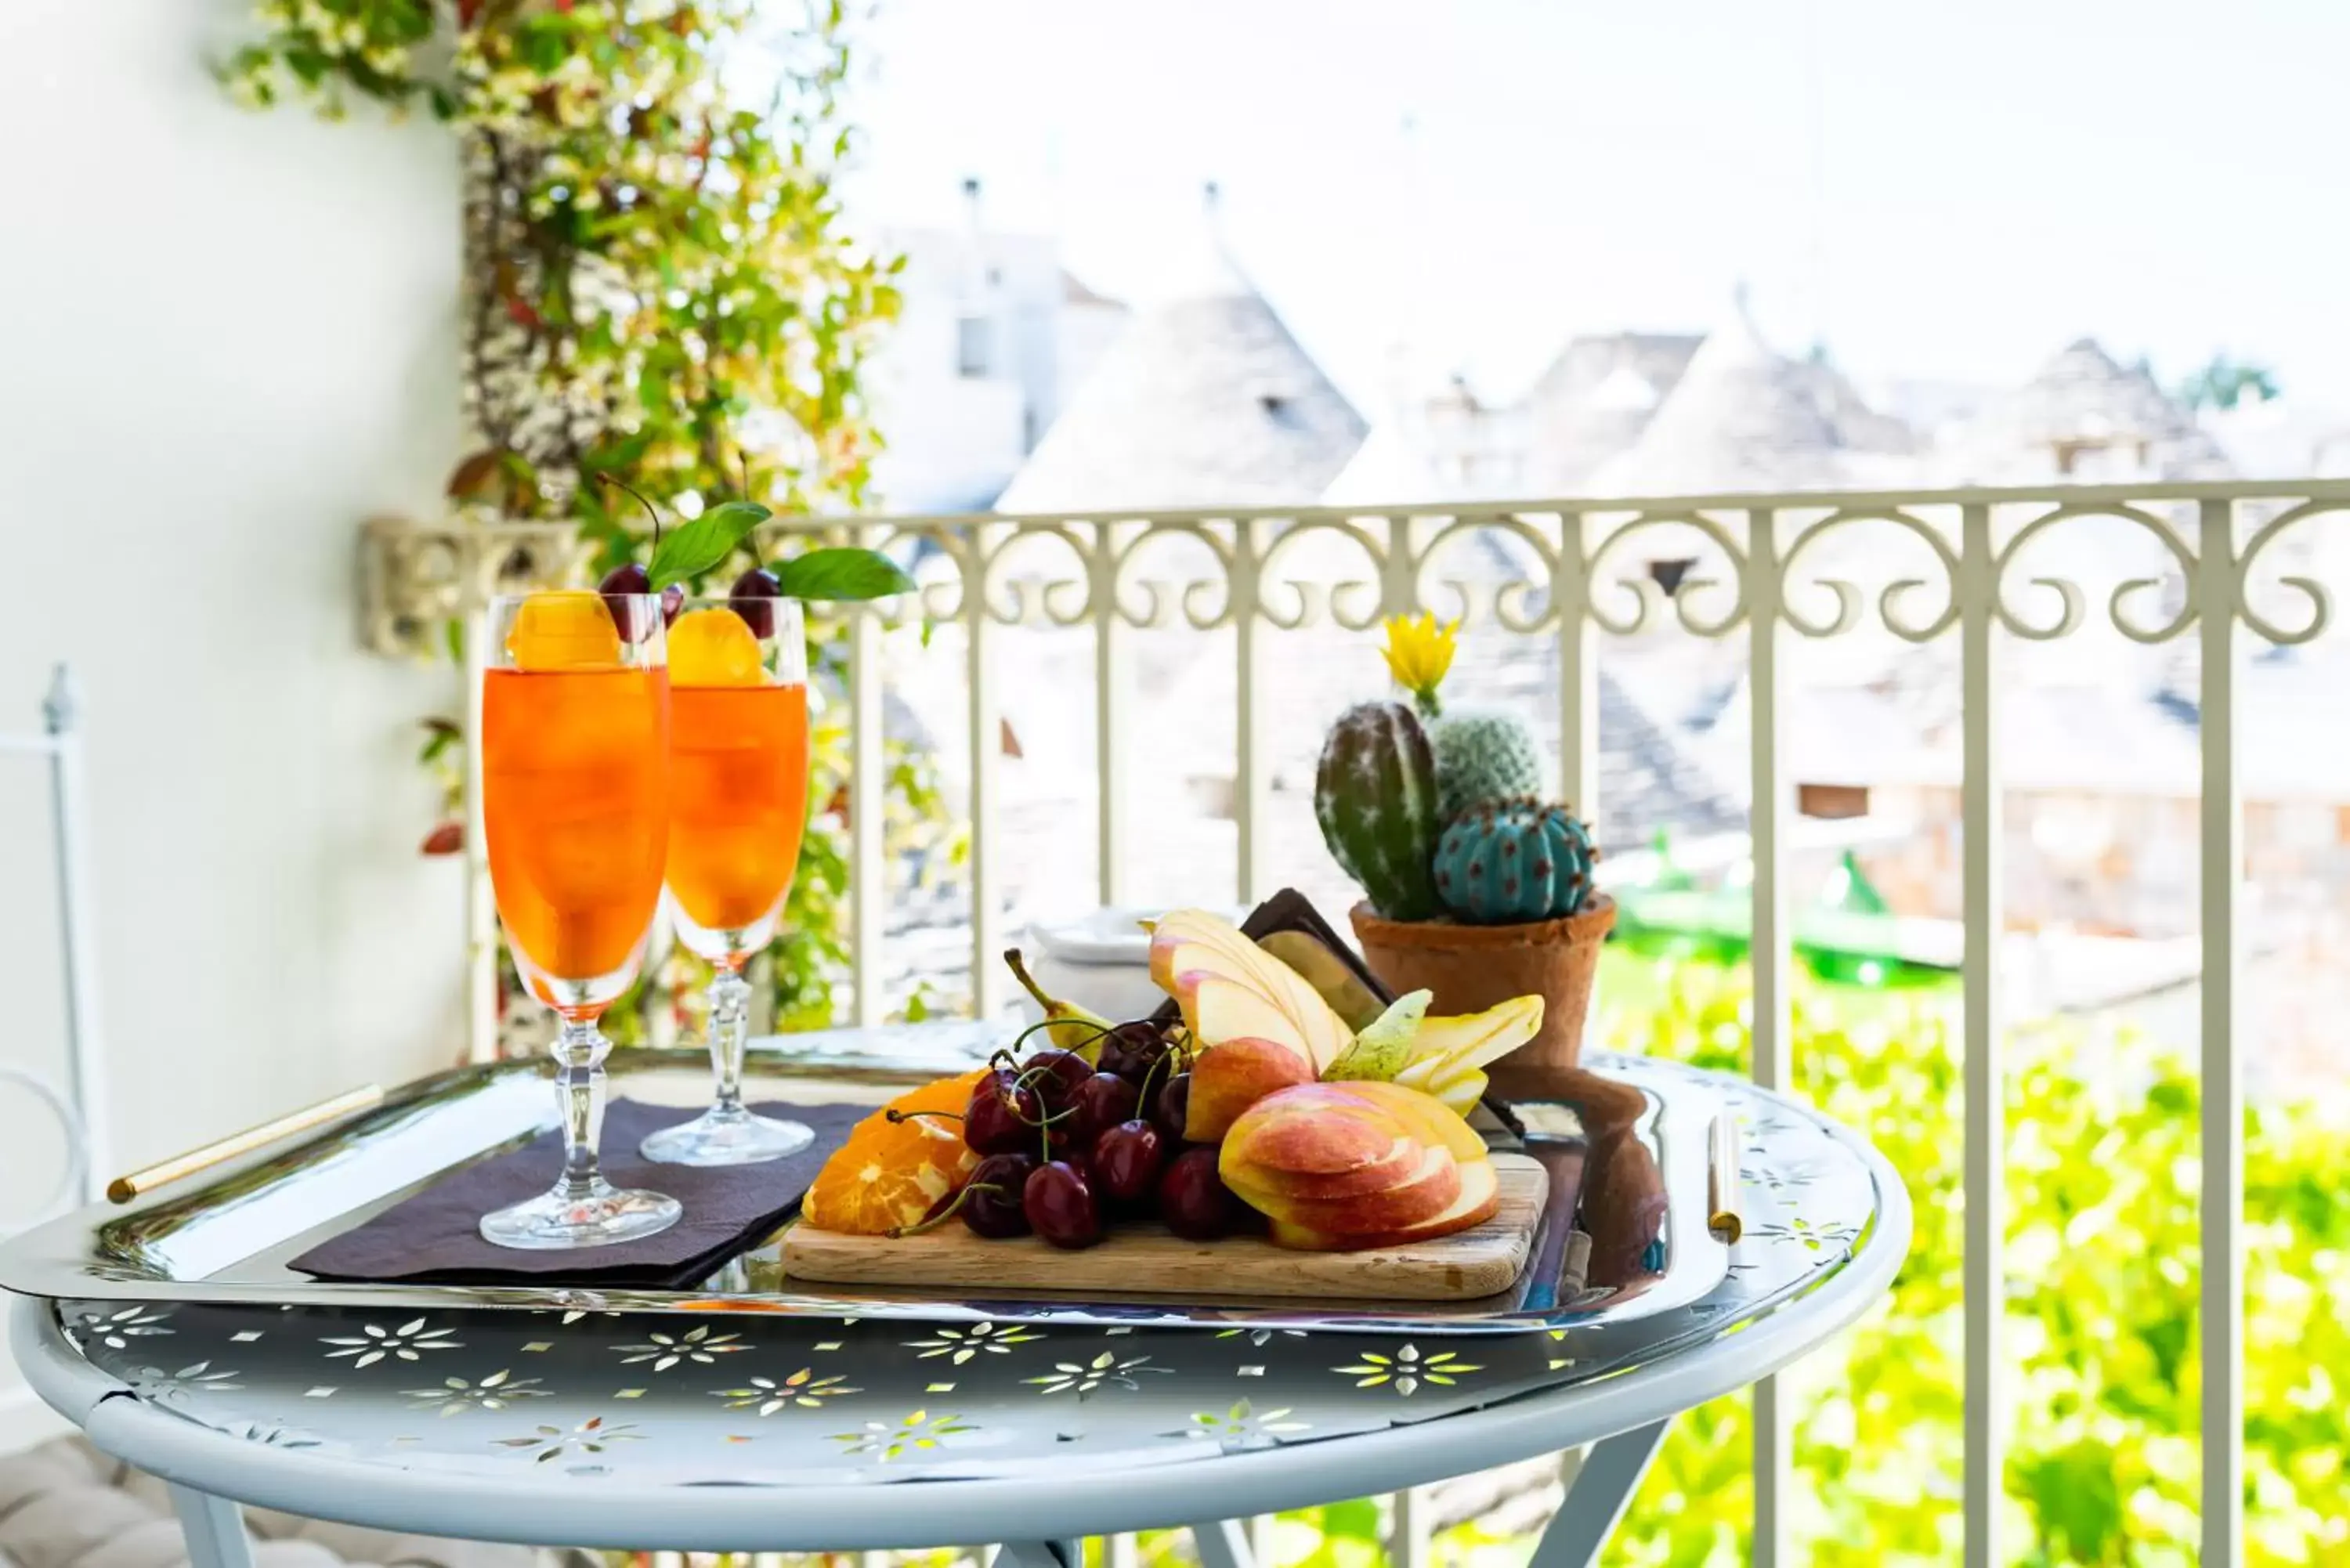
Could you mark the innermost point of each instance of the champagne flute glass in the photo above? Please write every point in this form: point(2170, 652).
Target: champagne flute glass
point(574, 798)
point(738, 805)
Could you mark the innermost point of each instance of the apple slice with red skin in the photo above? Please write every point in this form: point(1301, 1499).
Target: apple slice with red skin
point(1229, 988)
point(1228, 1078)
point(1479, 1200)
point(1432, 1188)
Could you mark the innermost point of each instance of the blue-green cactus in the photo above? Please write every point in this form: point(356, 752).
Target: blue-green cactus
point(1375, 796)
point(1483, 757)
point(1515, 861)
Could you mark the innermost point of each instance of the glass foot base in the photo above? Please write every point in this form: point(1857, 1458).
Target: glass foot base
point(606, 1215)
point(718, 1138)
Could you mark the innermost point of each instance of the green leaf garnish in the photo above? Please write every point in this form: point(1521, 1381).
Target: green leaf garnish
point(842, 574)
point(696, 547)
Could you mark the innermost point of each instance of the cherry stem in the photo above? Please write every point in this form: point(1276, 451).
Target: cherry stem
point(1152, 1071)
point(898, 1233)
point(894, 1116)
point(649, 511)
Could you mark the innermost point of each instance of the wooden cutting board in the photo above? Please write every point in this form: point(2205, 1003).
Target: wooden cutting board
point(1147, 1261)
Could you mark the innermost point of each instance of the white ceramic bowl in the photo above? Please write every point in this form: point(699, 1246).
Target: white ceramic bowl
point(1100, 960)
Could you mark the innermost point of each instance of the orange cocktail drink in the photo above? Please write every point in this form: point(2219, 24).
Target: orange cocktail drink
point(575, 803)
point(738, 805)
point(576, 794)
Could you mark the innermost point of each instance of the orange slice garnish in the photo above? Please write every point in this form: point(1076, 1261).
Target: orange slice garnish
point(565, 630)
point(892, 1174)
point(713, 647)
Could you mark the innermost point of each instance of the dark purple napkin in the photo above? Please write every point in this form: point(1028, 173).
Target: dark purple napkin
point(434, 1237)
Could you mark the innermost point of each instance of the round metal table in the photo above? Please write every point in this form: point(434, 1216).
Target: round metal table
point(709, 1432)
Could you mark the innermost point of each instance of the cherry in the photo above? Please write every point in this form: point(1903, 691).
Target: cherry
point(1133, 1050)
point(673, 601)
point(1101, 1102)
point(622, 582)
point(1056, 1075)
point(1002, 1116)
point(1193, 1201)
point(1126, 1160)
point(753, 596)
point(992, 1203)
point(1171, 1105)
point(1060, 1206)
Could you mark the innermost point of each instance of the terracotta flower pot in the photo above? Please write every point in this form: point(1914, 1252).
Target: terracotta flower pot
point(1471, 968)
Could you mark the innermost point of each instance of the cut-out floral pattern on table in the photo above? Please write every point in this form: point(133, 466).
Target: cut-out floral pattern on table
point(405, 1342)
point(784, 1400)
point(803, 1389)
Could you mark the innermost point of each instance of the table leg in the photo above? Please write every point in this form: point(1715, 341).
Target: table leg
point(1222, 1544)
point(215, 1529)
point(1597, 1497)
point(1068, 1553)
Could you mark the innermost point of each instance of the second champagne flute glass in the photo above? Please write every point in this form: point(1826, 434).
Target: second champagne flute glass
point(575, 800)
point(738, 805)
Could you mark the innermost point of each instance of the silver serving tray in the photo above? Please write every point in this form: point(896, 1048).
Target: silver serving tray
point(220, 1228)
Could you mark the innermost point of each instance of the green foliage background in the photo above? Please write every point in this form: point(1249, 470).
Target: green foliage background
point(2102, 1278)
point(660, 287)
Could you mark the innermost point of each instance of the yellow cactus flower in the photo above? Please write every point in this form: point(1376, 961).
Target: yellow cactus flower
point(1418, 652)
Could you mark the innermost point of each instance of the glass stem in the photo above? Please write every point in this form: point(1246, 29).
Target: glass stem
point(730, 1028)
point(579, 1053)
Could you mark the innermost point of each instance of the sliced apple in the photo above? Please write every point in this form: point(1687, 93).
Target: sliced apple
point(1229, 987)
point(1397, 1166)
point(1425, 1117)
point(1229, 1077)
point(1479, 1200)
point(1429, 1192)
point(1350, 1161)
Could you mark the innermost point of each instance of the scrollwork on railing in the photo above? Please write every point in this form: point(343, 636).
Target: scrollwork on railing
point(1512, 601)
point(416, 577)
point(1350, 602)
point(1889, 598)
point(2071, 604)
point(1649, 596)
point(2321, 603)
point(1201, 612)
point(1295, 568)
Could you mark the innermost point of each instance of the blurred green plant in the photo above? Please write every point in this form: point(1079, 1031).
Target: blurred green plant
point(2102, 1274)
point(2102, 1277)
point(659, 287)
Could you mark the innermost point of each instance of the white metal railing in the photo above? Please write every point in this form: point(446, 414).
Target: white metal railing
point(79, 1109)
point(1984, 567)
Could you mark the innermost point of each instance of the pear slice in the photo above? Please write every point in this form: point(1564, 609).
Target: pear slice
point(1383, 1047)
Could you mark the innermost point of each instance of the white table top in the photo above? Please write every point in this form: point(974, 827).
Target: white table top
point(684, 1431)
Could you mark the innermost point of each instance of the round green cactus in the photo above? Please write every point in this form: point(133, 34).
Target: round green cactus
point(1375, 796)
point(1483, 757)
point(1513, 861)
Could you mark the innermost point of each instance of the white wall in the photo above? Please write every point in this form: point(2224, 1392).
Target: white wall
point(225, 337)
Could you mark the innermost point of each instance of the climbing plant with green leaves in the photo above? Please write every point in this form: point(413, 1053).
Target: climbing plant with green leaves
point(659, 287)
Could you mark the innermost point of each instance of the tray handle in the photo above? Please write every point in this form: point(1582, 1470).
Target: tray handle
point(140, 1183)
point(1721, 1181)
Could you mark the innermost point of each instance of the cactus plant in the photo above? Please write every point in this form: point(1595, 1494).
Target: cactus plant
point(1483, 757)
point(1513, 861)
point(1375, 796)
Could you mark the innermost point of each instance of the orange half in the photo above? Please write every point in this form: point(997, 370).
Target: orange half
point(892, 1174)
